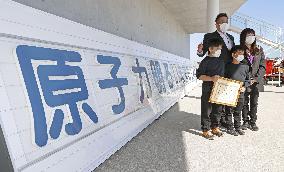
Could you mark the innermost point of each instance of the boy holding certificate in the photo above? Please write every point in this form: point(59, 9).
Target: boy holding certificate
point(210, 68)
point(240, 72)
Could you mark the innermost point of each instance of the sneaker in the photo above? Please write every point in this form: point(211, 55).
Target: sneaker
point(208, 135)
point(232, 132)
point(216, 131)
point(240, 132)
point(253, 127)
point(245, 126)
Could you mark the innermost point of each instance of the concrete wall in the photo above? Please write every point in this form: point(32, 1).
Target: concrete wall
point(117, 88)
point(145, 21)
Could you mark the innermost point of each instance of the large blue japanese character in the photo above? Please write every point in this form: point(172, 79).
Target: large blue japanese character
point(181, 74)
point(169, 76)
point(188, 74)
point(140, 70)
point(158, 76)
point(178, 75)
point(114, 82)
point(53, 89)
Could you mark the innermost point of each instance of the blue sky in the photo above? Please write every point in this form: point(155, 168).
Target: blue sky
point(271, 11)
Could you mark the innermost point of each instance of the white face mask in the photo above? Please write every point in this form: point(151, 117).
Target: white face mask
point(240, 58)
point(224, 27)
point(250, 39)
point(217, 53)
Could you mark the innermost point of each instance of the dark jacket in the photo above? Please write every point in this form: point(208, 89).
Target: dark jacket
point(257, 69)
point(210, 66)
point(238, 72)
point(225, 55)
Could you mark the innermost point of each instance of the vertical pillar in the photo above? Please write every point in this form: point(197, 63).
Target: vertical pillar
point(188, 46)
point(212, 12)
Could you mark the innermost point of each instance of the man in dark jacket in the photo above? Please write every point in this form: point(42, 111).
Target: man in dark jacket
point(228, 42)
point(221, 33)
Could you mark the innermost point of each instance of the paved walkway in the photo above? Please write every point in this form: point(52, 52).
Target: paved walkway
point(173, 143)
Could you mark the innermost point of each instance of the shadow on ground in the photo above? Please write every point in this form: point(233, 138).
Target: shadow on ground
point(160, 147)
point(273, 92)
point(192, 97)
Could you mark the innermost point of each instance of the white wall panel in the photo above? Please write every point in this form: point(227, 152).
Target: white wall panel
point(34, 43)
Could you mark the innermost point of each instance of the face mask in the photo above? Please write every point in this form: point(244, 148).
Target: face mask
point(224, 27)
point(250, 39)
point(240, 58)
point(217, 53)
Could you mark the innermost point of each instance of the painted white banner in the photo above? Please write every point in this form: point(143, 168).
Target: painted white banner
point(72, 95)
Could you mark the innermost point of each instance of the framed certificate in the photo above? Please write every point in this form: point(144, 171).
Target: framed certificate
point(226, 92)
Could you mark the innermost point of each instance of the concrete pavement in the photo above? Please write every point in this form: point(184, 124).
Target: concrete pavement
point(173, 143)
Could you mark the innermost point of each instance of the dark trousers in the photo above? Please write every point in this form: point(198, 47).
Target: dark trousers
point(223, 116)
point(250, 105)
point(210, 113)
point(236, 112)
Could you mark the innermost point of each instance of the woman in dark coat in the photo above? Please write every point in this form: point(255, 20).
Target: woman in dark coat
point(254, 57)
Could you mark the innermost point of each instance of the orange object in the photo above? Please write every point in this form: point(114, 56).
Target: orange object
point(272, 70)
point(269, 67)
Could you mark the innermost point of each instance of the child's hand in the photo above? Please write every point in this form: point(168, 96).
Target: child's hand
point(215, 78)
point(243, 89)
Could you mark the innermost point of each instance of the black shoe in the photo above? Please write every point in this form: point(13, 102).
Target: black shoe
point(253, 127)
point(232, 132)
point(245, 126)
point(223, 125)
point(240, 132)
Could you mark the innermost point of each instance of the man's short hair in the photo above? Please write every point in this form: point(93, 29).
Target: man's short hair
point(215, 42)
point(237, 48)
point(221, 15)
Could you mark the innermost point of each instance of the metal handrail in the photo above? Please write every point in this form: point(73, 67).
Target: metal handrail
point(261, 27)
point(265, 32)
